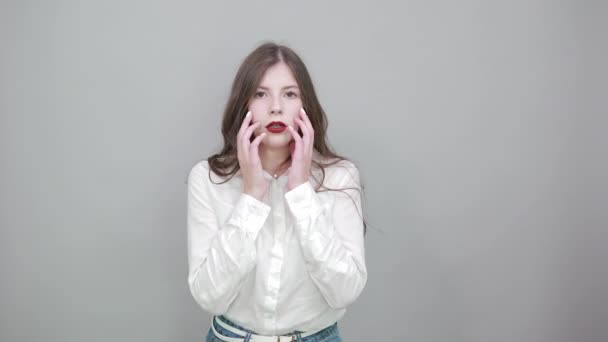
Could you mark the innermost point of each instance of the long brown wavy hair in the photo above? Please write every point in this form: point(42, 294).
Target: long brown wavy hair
point(247, 79)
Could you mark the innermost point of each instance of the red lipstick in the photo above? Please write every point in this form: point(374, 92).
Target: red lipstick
point(276, 127)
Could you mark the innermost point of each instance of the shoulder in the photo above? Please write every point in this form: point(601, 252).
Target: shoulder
point(202, 176)
point(343, 173)
point(199, 173)
point(349, 173)
point(200, 167)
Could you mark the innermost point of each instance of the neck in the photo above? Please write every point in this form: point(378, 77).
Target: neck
point(273, 159)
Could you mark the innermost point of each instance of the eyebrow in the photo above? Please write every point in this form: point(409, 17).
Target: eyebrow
point(286, 87)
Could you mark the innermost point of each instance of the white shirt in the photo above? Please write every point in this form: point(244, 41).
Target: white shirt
point(293, 261)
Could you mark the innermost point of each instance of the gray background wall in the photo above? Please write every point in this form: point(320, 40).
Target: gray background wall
point(478, 125)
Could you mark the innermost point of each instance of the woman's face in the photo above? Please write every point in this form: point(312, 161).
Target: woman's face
point(277, 98)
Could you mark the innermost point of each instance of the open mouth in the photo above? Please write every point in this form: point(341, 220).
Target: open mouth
point(276, 127)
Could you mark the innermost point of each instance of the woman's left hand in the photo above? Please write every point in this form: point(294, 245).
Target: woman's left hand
point(301, 154)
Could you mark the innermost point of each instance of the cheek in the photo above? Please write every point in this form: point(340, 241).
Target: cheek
point(256, 110)
point(255, 106)
point(258, 118)
point(297, 103)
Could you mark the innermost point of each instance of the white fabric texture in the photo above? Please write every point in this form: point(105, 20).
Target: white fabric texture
point(293, 261)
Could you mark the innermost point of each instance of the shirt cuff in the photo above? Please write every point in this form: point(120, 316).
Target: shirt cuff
point(250, 214)
point(303, 201)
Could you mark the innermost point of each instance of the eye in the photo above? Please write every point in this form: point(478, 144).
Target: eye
point(290, 93)
point(258, 93)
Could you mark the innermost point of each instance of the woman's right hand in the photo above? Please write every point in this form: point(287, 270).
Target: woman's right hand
point(254, 183)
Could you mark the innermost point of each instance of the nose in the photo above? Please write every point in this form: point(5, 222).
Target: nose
point(276, 107)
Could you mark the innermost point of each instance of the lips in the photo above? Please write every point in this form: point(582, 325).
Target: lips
point(276, 127)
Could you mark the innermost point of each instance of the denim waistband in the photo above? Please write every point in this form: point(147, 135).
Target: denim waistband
point(245, 330)
point(232, 324)
point(314, 337)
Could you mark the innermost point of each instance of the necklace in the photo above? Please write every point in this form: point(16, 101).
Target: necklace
point(276, 173)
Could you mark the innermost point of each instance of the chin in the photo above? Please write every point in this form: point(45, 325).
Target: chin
point(276, 142)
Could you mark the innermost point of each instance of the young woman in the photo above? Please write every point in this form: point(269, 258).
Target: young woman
point(275, 222)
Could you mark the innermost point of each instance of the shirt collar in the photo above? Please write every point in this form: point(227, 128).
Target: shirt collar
point(285, 176)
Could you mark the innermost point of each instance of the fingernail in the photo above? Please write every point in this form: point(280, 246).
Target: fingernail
point(303, 111)
point(248, 113)
point(290, 127)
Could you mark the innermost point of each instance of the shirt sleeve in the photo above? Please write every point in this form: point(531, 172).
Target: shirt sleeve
point(332, 238)
point(220, 254)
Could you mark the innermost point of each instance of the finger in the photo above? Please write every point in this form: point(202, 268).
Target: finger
point(247, 135)
point(292, 147)
point(245, 138)
point(245, 123)
point(255, 143)
point(296, 138)
point(311, 132)
point(306, 120)
point(300, 124)
point(307, 140)
point(305, 132)
point(240, 148)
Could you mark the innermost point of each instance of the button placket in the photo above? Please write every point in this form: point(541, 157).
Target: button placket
point(278, 210)
point(276, 252)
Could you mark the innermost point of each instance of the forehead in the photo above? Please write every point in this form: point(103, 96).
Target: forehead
point(278, 75)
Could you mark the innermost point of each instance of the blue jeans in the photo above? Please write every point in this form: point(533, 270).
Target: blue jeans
point(329, 334)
